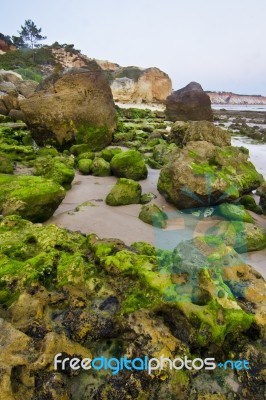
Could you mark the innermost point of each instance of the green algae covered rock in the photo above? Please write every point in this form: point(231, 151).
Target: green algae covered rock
point(100, 167)
point(242, 236)
point(129, 164)
point(78, 149)
point(125, 191)
point(147, 197)
point(201, 174)
point(184, 132)
point(64, 290)
point(33, 198)
point(60, 169)
point(108, 153)
point(153, 215)
point(234, 212)
point(85, 166)
point(250, 204)
point(262, 193)
point(6, 165)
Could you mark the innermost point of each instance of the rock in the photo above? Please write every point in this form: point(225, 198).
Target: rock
point(108, 153)
point(34, 198)
point(59, 169)
point(190, 103)
point(84, 166)
point(10, 76)
point(16, 115)
point(125, 191)
point(147, 197)
point(78, 149)
point(153, 215)
point(135, 85)
point(250, 204)
point(234, 212)
point(129, 164)
point(184, 132)
point(262, 193)
point(50, 113)
point(15, 358)
point(6, 165)
point(161, 153)
point(100, 167)
point(3, 109)
point(202, 174)
point(26, 88)
point(242, 236)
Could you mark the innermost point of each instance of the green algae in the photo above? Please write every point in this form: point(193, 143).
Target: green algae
point(34, 198)
point(129, 164)
point(125, 191)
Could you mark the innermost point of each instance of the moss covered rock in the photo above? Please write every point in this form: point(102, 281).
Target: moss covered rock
point(125, 191)
point(100, 167)
point(184, 132)
point(147, 197)
point(250, 204)
point(202, 174)
point(262, 193)
point(34, 198)
point(60, 169)
point(129, 164)
point(6, 165)
point(234, 212)
point(242, 236)
point(85, 166)
point(108, 153)
point(153, 215)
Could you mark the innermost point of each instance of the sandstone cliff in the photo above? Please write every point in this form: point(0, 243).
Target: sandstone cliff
point(136, 85)
point(237, 99)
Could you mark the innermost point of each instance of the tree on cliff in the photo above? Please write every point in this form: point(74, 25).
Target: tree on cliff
point(30, 35)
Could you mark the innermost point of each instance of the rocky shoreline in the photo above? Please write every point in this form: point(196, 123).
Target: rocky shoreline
point(173, 281)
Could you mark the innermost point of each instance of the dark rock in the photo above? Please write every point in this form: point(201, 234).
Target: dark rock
point(190, 103)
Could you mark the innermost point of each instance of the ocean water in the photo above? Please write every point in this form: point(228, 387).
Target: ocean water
point(238, 107)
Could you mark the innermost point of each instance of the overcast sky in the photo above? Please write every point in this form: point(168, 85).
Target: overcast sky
point(218, 43)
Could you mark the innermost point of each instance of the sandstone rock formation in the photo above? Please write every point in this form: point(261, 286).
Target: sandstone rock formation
point(190, 103)
point(74, 105)
point(202, 174)
point(184, 132)
point(13, 88)
point(135, 85)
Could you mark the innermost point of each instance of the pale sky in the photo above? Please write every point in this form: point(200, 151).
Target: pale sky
point(218, 43)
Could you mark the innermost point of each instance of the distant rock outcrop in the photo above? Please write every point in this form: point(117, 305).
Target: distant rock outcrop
point(237, 99)
point(136, 85)
point(74, 105)
point(190, 103)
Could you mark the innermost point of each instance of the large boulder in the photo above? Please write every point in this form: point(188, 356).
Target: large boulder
point(76, 105)
point(202, 174)
point(184, 132)
point(262, 193)
point(32, 197)
point(190, 103)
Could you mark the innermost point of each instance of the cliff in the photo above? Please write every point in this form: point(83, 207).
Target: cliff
point(137, 85)
point(237, 99)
